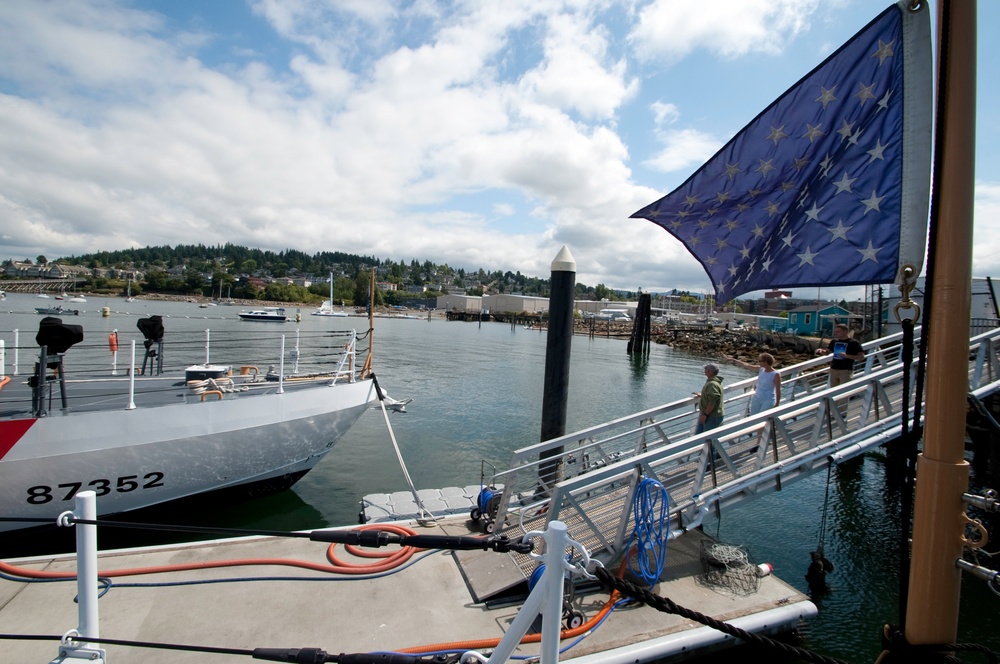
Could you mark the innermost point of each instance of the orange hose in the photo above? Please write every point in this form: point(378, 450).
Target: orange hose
point(528, 638)
point(391, 559)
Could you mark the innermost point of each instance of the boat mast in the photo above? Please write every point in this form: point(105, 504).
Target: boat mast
point(942, 472)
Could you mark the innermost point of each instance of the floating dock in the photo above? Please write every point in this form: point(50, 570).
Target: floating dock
point(286, 597)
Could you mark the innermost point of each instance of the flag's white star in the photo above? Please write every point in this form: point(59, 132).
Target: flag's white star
point(777, 133)
point(807, 257)
point(766, 264)
point(721, 243)
point(844, 184)
point(800, 163)
point(765, 167)
point(732, 170)
point(865, 93)
point(691, 200)
point(825, 166)
point(772, 208)
point(732, 225)
point(872, 203)
point(675, 224)
point(813, 214)
point(703, 224)
point(840, 231)
point(883, 103)
point(733, 270)
point(813, 132)
point(742, 207)
point(788, 239)
point(722, 196)
point(884, 51)
point(846, 130)
point(758, 230)
point(876, 152)
point(826, 96)
point(745, 252)
point(754, 193)
point(683, 213)
point(711, 260)
point(868, 253)
point(787, 185)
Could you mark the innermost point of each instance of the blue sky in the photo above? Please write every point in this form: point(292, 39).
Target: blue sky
point(478, 133)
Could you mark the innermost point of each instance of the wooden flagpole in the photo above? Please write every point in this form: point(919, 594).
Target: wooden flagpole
point(942, 472)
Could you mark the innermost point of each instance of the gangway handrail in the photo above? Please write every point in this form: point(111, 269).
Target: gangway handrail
point(799, 427)
point(670, 421)
point(711, 449)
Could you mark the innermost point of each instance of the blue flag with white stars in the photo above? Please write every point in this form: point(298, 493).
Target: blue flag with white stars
point(829, 185)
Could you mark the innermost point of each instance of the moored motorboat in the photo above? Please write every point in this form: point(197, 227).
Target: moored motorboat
point(268, 314)
point(57, 310)
point(153, 434)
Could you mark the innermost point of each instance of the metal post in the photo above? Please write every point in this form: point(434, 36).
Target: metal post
point(86, 567)
point(942, 472)
point(546, 596)
point(17, 345)
point(281, 368)
point(208, 338)
point(131, 381)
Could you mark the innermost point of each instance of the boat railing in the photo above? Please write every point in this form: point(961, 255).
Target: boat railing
point(534, 470)
point(326, 355)
point(748, 456)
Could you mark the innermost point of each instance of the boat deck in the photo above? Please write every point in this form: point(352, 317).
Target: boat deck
point(429, 602)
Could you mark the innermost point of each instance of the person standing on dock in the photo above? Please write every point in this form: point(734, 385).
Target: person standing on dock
point(711, 408)
point(845, 352)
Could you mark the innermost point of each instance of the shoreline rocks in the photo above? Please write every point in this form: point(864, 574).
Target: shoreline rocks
point(734, 347)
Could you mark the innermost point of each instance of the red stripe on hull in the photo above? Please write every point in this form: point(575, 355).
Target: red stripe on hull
point(11, 432)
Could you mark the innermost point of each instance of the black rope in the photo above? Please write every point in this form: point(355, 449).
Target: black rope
point(666, 605)
point(299, 655)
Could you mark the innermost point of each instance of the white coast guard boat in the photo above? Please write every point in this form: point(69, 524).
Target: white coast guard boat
point(175, 426)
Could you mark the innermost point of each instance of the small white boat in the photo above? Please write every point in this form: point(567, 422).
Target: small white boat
point(268, 314)
point(326, 309)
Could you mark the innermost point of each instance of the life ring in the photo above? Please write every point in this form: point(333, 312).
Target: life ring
point(113, 342)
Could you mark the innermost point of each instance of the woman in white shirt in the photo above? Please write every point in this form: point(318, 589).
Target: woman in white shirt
point(768, 391)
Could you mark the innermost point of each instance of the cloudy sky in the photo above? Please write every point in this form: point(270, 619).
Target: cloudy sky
point(478, 133)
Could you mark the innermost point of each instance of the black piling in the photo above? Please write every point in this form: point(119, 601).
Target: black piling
point(641, 326)
point(557, 352)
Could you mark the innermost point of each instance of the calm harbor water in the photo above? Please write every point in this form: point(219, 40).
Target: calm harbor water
point(477, 392)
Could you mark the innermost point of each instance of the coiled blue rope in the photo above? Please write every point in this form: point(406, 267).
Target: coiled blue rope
point(651, 511)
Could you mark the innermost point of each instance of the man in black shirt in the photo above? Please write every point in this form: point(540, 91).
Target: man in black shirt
point(845, 352)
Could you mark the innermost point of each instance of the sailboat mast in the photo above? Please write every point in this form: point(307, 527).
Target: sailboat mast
point(942, 472)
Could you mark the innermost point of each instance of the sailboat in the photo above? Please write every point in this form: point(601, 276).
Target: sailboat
point(128, 296)
point(326, 309)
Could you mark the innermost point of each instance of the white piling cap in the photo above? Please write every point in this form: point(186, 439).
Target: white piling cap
point(563, 261)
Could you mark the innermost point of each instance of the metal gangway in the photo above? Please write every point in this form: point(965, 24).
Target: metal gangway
point(586, 479)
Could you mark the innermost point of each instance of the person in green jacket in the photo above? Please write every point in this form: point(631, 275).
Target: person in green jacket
point(711, 408)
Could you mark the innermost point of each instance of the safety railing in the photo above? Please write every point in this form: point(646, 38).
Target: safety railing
point(534, 470)
point(746, 455)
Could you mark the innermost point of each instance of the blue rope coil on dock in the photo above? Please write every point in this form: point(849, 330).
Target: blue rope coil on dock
point(651, 511)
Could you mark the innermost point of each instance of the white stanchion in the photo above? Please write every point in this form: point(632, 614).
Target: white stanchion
point(546, 597)
point(74, 645)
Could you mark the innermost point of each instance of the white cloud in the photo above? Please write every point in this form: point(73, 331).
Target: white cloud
point(986, 234)
point(670, 29)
